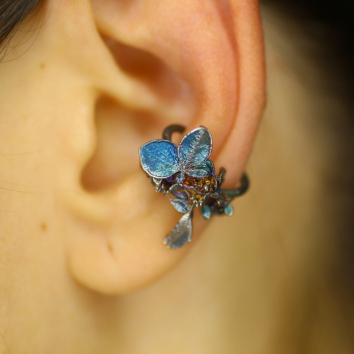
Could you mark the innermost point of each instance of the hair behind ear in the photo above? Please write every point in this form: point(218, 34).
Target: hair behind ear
point(12, 13)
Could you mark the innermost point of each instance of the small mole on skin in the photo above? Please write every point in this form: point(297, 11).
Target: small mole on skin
point(42, 65)
point(44, 226)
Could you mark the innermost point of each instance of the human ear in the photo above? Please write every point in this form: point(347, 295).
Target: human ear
point(203, 65)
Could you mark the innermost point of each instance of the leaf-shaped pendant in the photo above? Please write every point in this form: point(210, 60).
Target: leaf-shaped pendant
point(195, 148)
point(181, 205)
point(182, 232)
point(159, 158)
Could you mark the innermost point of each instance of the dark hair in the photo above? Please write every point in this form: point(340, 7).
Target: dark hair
point(12, 13)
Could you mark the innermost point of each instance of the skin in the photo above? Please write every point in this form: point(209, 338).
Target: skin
point(83, 266)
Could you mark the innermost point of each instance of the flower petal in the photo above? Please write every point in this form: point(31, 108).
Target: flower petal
point(201, 171)
point(159, 158)
point(179, 191)
point(195, 147)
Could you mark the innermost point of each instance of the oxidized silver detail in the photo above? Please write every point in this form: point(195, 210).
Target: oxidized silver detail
point(188, 179)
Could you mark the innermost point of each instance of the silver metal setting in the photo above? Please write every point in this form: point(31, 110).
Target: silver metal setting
point(188, 178)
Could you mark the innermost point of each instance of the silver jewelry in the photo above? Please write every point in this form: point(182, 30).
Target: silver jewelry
point(187, 177)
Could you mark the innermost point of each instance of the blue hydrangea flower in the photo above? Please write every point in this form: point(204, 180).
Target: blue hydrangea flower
point(162, 158)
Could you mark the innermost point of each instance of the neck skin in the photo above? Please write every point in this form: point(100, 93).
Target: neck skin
point(244, 288)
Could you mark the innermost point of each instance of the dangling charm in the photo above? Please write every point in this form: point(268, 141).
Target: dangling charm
point(187, 177)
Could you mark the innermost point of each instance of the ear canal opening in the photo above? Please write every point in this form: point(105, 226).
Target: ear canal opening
point(119, 132)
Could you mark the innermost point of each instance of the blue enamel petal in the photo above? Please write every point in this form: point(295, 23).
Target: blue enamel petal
point(205, 211)
point(229, 210)
point(202, 171)
point(181, 205)
point(178, 191)
point(159, 158)
point(195, 147)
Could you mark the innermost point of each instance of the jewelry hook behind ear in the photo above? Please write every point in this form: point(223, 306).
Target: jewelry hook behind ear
point(173, 128)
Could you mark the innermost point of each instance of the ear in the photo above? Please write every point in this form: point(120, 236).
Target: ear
point(189, 62)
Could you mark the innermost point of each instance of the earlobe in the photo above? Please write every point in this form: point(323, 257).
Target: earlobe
point(116, 240)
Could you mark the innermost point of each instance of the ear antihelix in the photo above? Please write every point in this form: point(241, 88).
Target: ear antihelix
point(153, 72)
point(175, 33)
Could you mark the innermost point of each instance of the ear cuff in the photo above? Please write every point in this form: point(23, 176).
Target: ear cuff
point(186, 176)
